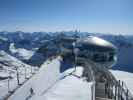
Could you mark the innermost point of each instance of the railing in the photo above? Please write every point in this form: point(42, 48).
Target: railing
point(114, 89)
point(88, 64)
point(118, 91)
point(30, 89)
point(18, 79)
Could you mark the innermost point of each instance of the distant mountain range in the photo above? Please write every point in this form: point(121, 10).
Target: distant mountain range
point(27, 46)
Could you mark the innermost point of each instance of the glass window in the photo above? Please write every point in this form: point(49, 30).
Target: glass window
point(100, 57)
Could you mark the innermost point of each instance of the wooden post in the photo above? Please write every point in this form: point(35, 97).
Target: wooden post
point(25, 72)
point(8, 84)
point(116, 90)
point(121, 90)
point(31, 70)
point(111, 91)
point(9, 77)
point(108, 89)
point(127, 94)
point(105, 88)
point(18, 77)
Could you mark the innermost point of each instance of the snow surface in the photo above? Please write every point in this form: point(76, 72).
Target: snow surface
point(21, 53)
point(43, 80)
point(79, 71)
point(8, 66)
point(50, 84)
point(47, 76)
point(69, 88)
point(9, 60)
point(126, 77)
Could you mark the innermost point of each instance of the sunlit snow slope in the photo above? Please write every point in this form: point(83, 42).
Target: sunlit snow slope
point(8, 66)
point(125, 77)
point(69, 88)
point(45, 78)
point(50, 84)
point(21, 53)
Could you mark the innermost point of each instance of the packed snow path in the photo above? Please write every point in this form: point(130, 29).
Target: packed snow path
point(46, 76)
point(69, 88)
point(50, 84)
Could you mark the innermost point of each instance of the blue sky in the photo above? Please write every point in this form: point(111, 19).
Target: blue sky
point(107, 16)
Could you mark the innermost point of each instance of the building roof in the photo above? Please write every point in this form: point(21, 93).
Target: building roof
point(96, 44)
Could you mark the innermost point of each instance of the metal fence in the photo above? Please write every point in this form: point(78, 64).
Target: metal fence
point(118, 91)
